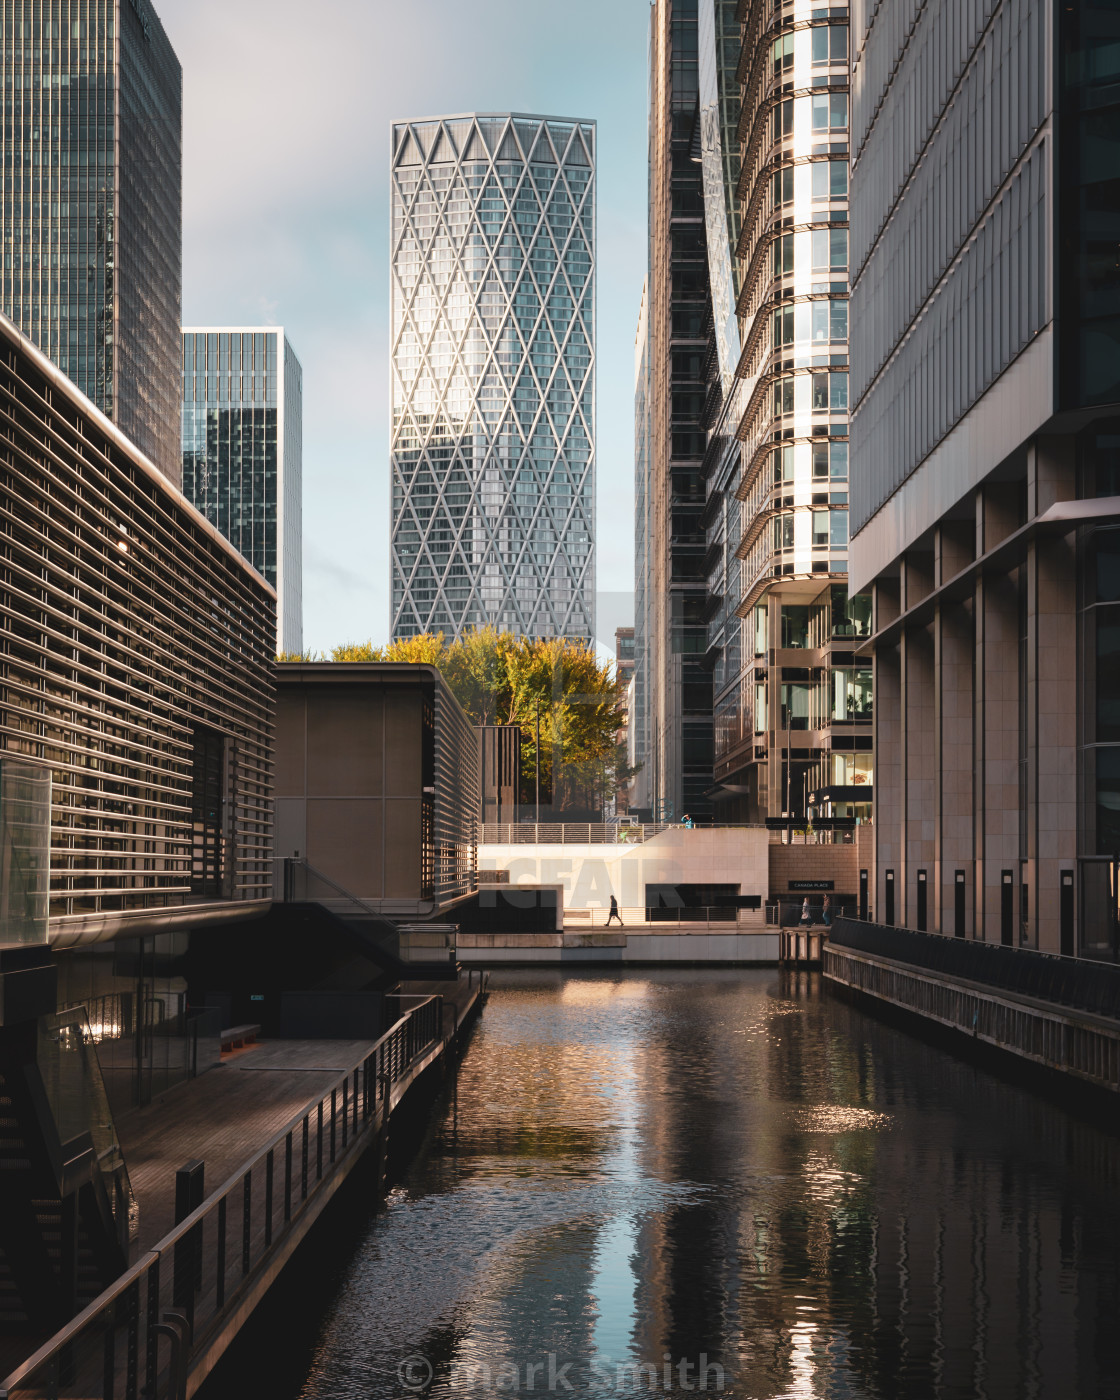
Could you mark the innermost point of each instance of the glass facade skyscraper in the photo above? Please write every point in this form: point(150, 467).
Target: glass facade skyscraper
point(242, 424)
point(91, 137)
point(493, 375)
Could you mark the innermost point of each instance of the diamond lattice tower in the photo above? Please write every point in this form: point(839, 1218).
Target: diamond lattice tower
point(493, 375)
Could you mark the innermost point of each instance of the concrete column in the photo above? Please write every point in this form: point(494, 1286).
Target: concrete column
point(1052, 696)
point(919, 760)
point(997, 730)
point(889, 832)
point(953, 661)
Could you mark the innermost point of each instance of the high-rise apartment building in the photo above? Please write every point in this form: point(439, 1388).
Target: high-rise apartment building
point(243, 453)
point(92, 259)
point(671, 597)
point(493, 375)
point(986, 463)
point(794, 707)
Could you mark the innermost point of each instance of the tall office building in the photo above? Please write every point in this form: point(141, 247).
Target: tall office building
point(671, 597)
point(243, 453)
point(793, 702)
point(986, 463)
point(493, 375)
point(92, 138)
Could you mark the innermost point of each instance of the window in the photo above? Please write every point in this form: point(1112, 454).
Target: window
point(760, 629)
point(829, 249)
point(783, 329)
point(782, 253)
point(851, 617)
point(829, 111)
point(838, 393)
point(795, 625)
point(851, 769)
point(838, 529)
point(783, 119)
point(851, 694)
point(760, 707)
point(783, 465)
point(782, 54)
point(829, 179)
point(820, 529)
point(783, 395)
point(783, 531)
point(830, 44)
point(782, 187)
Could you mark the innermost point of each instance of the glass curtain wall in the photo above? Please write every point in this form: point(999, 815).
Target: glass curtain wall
point(242, 434)
point(493, 389)
point(91, 134)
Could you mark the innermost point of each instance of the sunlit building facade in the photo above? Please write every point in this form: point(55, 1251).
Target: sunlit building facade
point(793, 707)
point(242, 424)
point(493, 375)
point(91, 131)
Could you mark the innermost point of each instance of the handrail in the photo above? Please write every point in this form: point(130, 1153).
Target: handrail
point(119, 1306)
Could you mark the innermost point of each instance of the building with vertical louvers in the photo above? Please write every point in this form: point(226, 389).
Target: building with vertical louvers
point(493, 375)
point(986, 463)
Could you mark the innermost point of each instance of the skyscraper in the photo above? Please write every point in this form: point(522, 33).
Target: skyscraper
point(793, 701)
point(493, 375)
point(670, 618)
point(986, 464)
point(243, 453)
point(92, 136)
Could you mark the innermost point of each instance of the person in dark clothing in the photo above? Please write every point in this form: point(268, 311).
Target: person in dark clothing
point(614, 914)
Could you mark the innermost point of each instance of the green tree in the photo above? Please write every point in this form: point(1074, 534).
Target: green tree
point(502, 679)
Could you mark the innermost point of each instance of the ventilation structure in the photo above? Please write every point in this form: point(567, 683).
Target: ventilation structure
point(493, 365)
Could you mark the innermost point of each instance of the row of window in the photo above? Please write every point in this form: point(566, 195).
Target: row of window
point(823, 391)
point(819, 179)
point(817, 322)
point(819, 112)
point(827, 249)
point(824, 44)
point(828, 529)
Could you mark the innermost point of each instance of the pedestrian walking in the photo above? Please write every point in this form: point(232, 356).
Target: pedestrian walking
point(806, 916)
point(826, 911)
point(614, 914)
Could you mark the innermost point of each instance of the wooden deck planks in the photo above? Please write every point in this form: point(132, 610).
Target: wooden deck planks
point(225, 1116)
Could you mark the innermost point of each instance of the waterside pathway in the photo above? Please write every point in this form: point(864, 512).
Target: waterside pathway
point(681, 1181)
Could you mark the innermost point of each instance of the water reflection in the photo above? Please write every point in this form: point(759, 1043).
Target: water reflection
point(686, 1181)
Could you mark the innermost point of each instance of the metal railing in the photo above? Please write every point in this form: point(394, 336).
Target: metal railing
point(185, 1287)
point(1073, 982)
point(565, 833)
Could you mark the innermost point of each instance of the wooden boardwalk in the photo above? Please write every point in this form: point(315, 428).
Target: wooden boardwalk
point(222, 1117)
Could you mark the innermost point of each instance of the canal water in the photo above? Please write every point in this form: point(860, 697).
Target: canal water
point(721, 1182)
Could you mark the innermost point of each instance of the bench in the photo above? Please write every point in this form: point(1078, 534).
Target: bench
point(237, 1036)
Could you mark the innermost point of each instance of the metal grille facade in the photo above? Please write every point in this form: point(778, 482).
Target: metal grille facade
point(243, 453)
point(493, 375)
point(91, 136)
point(128, 628)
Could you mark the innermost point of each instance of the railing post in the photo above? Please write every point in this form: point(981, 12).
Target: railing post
point(151, 1321)
point(356, 1072)
point(319, 1145)
point(306, 1135)
point(246, 1221)
point(345, 1110)
point(288, 1178)
point(269, 1169)
point(334, 1102)
point(220, 1282)
point(132, 1354)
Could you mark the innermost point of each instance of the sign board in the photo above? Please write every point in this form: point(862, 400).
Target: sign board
point(812, 884)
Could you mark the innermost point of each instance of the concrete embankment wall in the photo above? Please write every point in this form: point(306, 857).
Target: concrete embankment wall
point(497, 949)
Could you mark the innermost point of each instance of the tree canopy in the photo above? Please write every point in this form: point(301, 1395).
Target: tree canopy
point(499, 678)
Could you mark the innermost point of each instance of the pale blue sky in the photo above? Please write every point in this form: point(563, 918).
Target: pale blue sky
point(285, 221)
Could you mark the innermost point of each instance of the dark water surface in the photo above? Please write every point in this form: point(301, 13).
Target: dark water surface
point(646, 1174)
